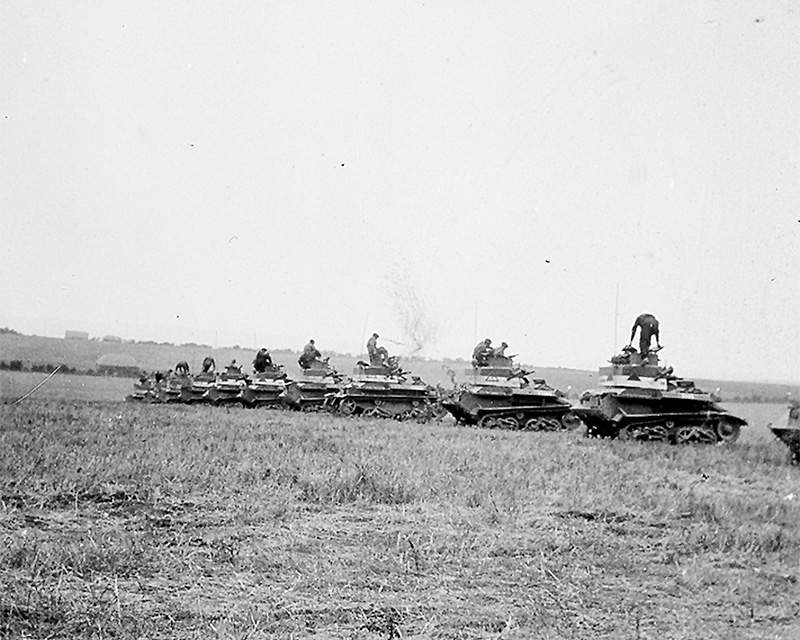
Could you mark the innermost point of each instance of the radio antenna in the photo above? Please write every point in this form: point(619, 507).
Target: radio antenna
point(616, 318)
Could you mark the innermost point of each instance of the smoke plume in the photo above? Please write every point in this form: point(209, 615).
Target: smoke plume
point(412, 311)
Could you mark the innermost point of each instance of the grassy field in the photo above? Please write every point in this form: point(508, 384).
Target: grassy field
point(148, 521)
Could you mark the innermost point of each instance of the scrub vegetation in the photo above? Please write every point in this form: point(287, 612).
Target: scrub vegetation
point(120, 520)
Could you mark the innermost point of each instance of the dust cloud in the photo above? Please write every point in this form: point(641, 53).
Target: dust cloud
point(411, 310)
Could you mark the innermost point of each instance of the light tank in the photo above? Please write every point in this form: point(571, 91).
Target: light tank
point(144, 390)
point(174, 388)
point(265, 388)
point(500, 395)
point(198, 390)
point(789, 432)
point(637, 399)
point(319, 382)
point(384, 391)
point(228, 388)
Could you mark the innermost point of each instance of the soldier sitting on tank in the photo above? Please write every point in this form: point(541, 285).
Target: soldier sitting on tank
point(648, 328)
point(262, 361)
point(233, 368)
point(310, 355)
point(378, 356)
point(500, 352)
point(209, 365)
point(481, 353)
point(182, 368)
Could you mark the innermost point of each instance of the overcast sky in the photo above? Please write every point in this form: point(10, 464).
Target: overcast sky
point(439, 172)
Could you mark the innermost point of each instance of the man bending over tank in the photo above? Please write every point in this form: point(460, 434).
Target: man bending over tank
point(648, 328)
point(209, 365)
point(481, 353)
point(378, 356)
point(309, 356)
point(182, 368)
point(262, 361)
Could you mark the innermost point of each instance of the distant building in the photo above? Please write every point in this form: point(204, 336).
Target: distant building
point(111, 338)
point(118, 364)
point(76, 335)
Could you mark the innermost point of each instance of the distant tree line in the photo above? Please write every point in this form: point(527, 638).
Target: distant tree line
point(757, 398)
point(18, 365)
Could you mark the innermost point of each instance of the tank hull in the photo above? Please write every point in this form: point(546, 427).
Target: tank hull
point(540, 412)
point(653, 415)
point(265, 389)
point(305, 395)
point(500, 396)
point(228, 388)
point(379, 393)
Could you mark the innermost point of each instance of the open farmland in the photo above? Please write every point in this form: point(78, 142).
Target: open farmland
point(133, 521)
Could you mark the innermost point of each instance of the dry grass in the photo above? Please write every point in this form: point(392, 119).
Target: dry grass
point(131, 521)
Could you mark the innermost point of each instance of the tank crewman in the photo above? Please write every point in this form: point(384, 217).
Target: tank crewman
point(209, 365)
point(500, 352)
point(481, 353)
point(262, 361)
point(233, 368)
point(648, 328)
point(182, 368)
point(309, 355)
point(378, 356)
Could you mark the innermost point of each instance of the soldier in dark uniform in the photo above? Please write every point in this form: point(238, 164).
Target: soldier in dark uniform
point(209, 365)
point(309, 355)
point(481, 353)
point(182, 368)
point(378, 356)
point(233, 368)
point(648, 328)
point(500, 352)
point(262, 361)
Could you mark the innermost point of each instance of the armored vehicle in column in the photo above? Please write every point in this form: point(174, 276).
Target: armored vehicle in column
point(319, 382)
point(228, 388)
point(499, 394)
point(265, 388)
point(384, 391)
point(637, 399)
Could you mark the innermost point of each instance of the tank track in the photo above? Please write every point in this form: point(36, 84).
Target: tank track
point(712, 429)
point(420, 410)
point(527, 419)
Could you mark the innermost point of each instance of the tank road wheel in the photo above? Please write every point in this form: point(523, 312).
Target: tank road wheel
point(542, 424)
point(347, 406)
point(695, 433)
point(373, 413)
point(727, 431)
point(532, 424)
point(508, 422)
point(643, 433)
point(488, 422)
